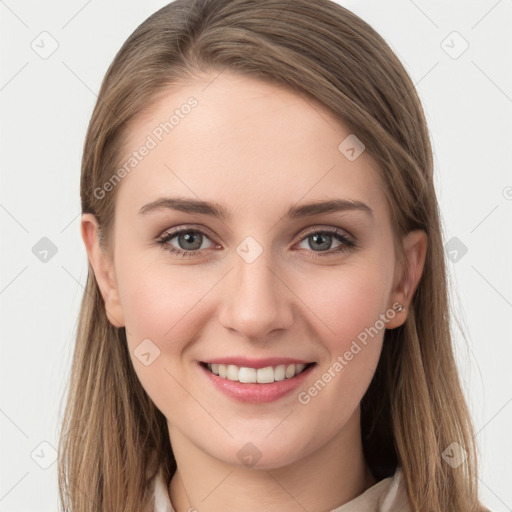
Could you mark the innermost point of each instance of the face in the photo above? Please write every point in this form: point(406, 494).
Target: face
point(269, 283)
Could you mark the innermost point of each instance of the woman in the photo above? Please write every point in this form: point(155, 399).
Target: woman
point(265, 320)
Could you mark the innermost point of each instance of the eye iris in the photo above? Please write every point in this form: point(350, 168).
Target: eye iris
point(190, 238)
point(323, 239)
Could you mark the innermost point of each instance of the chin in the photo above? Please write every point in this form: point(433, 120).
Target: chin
point(261, 452)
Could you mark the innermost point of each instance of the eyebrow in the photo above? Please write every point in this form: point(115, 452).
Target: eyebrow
point(217, 210)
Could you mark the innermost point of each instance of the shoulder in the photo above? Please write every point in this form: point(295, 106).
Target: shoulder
point(161, 501)
point(394, 496)
point(387, 495)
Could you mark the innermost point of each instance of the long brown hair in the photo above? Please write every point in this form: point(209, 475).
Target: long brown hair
point(113, 438)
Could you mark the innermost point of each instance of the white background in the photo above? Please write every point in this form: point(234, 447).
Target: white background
point(45, 107)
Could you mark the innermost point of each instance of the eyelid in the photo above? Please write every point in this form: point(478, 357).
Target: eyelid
point(349, 242)
point(203, 229)
point(187, 227)
point(327, 229)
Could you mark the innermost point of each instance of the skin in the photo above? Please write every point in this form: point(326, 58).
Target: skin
point(256, 149)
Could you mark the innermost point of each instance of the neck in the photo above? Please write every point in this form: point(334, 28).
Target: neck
point(323, 480)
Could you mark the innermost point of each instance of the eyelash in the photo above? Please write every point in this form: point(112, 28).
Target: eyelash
point(347, 243)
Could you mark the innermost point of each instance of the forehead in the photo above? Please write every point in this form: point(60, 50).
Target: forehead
point(251, 143)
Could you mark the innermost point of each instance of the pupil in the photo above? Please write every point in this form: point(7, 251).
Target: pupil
point(190, 238)
point(325, 244)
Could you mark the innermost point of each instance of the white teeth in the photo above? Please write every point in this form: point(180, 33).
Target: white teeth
point(247, 375)
point(279, 372)
point(264, 375)
point(252, 375)
point(290, 371)
point(233, 372)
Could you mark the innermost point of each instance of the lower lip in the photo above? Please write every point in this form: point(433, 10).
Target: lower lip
point(256, 393)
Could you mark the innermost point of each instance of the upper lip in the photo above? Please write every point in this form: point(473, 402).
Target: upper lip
point(256, 363)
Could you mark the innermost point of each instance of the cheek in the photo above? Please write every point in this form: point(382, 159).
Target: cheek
point(158, 300)
point(349, 305)
point(165, 305)
point(343, 304)
point(164, 302)
point(346, 300)
point(160, 307)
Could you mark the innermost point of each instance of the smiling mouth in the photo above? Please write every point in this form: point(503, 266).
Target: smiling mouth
point(248, 375)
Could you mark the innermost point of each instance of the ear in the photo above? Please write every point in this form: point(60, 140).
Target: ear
point(103, 267)
point(408, 274)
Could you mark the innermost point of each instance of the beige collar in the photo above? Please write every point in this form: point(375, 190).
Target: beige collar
point(388, 495)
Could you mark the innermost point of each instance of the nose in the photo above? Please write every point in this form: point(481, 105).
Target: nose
point(256, 299)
